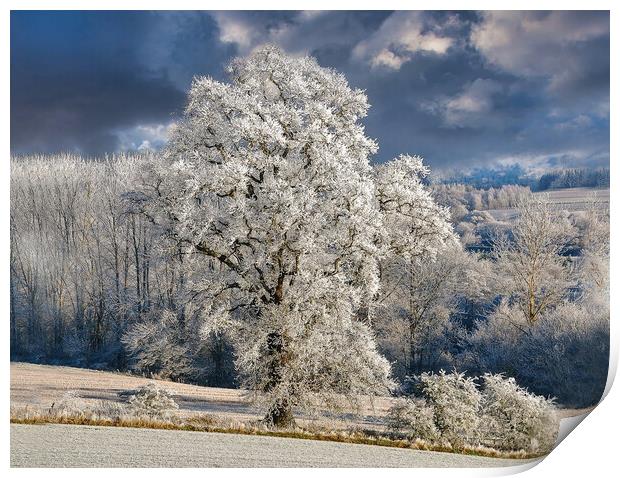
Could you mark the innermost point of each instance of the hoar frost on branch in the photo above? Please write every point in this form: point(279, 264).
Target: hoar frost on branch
point(267, 181)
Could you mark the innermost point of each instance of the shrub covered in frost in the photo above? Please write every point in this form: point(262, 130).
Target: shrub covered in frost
point(454, 409)
point(516, 419)
point(151, 400)
point(455, 401)
point(413, 418)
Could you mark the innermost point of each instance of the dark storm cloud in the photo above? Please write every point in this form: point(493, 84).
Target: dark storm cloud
point(76, 78)
point(461, 89)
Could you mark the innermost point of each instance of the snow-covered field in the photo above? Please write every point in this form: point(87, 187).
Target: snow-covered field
point(39, 386)
point(576, 197)
point(571, 199)
point(85, 446)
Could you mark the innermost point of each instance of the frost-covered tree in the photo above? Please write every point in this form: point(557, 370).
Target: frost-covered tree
point(92, 283)
point(418, 320)
point(532, 272)
point(267, 181)
point(551, 329)
point(564, 354)
point(78, 262)
point(592, 225)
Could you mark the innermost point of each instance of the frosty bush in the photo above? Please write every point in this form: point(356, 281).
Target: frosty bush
point(70, 402)
point(567, 355)
point(454, 410)
point(455, 401)
point(414, 418)
point(519, 420)
point(151, 400)
point(161, 345)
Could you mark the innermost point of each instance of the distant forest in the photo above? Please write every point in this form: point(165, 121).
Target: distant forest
point(484, 178)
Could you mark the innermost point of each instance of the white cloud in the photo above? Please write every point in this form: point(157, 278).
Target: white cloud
point(469, 107)
point(537, 44)
point(538, 163)
point(395, 42)
point(566, 51)
point(144, 137)
point(388, 59)
point(400, 36)
point(250, 31)
point(234, 27)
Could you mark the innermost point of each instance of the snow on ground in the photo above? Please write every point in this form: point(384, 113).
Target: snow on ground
point(39, 386)
point(570, 199)
point(85, 446)
point(577, 196)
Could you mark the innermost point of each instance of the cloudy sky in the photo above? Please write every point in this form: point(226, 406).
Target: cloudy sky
point(462, 89)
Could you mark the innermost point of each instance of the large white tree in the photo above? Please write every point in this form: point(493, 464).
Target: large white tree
point(267, 182)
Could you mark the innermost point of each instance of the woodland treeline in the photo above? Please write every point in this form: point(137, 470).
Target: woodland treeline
point(485, 178)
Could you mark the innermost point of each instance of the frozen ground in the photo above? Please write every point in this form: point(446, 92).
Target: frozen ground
point(570, 199)
point(576, 198)
point(85, 446)
point(39, 386)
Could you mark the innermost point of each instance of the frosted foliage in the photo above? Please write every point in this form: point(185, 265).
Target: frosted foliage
point(77, 257)
point(417, 300)
point(414, 418)
point(593, 239)
point(565, 354)
point(454, 409)
point(151, 400)
point(267, 179)
point(519, 419)
point(455, 400)
point(593, 224)
point(155, 346)
point(415, 224)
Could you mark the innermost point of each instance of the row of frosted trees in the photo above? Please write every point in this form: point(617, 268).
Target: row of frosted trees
point(82, 266)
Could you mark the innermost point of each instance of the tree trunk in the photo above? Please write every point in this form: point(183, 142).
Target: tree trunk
point(280, 414)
